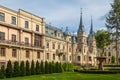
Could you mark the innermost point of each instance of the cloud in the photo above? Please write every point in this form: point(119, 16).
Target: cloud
point(62, 13)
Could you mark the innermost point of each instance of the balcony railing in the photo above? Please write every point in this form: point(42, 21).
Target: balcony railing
point(8, 42)
point(59, 52)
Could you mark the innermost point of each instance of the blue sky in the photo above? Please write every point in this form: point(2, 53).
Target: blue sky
point(62, 13)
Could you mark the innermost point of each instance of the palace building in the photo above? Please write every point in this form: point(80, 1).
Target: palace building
point(25, 36)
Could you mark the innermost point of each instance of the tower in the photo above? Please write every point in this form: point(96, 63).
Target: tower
point(91, 39)
point(81, 37)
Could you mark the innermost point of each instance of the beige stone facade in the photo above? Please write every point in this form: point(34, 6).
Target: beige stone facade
point(25, 36)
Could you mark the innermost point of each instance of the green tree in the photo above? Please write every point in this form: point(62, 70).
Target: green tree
point(9, 70)
point(53, 67)
point(50, 67)
point(2, 72)
point(113, 59)
point(46, 67)
point(16, 69)
point(102, 39)
point(22, 69)
point(113, 24)
point(32, 68)
point(57, 67)
point(42, 67)
point(27, 68)
point(37, 68)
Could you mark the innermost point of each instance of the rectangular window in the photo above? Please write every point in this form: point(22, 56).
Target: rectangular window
point(2, 52)
point(47, 44)
point(13, 20)
point(2, 36)
point(47, 55)
point(78, 58)
point(37, 40)
point(64, 57)
point(37, 27)
point(38, 55)
point(2, 16)
point(58, 46)
point(14, 53)
point(26, 40)
point(13, 38)
point(53, 46)
point(90, 59)
point(27, 54)
point(26, 24)
point(53, 56)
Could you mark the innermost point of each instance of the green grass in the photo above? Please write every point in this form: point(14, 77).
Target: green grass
point(69, 76)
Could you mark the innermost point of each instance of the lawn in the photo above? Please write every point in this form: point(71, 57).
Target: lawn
point(70, 76)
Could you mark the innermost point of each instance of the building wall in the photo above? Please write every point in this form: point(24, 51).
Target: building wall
point(64, 51)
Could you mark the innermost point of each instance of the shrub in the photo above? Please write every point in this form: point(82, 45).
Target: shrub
point(2, 72)
point(42, 67)
point(113, 59)
point(46, 67)
point(9, 70)
point(53, 67)
point(57, 67)
point(16, 69)
point(32, 68)
point(27, 68)
point(37, 68)
point(50, 67)
point(22, 69)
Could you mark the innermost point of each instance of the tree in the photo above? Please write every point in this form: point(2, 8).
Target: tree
point(113, 59)
point(9, 70)
point(42, 67)
point(27, 68)
point(37, 68)
point(113, 24)
point(22, 69)
point(53, 67)
point(103, 39)
point(57, 67)
point(50, 67)
point(2, 72)
point(16, 69)
point(32, 68)
point(46, 67)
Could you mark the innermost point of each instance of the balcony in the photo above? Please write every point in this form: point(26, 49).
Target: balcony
point(59, 52)
point(19, 44)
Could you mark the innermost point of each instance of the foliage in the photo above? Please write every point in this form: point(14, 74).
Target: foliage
point(37, 68)
point(27, 68)
point(42, 67)
point(16, 69)
point(102, 39)
point(32, 68)
point(22, 69)
point(9, 70)
point(113, 24)
point(113, 59)
point(2, 72)
point(46, 67)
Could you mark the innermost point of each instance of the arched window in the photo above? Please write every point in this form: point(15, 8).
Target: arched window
point(78, 58)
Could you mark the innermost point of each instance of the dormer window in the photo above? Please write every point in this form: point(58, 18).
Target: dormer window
point(58, 34)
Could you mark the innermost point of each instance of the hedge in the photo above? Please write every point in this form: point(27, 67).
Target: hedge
point(25, 69)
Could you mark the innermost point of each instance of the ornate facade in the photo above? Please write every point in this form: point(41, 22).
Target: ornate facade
point(25, 36)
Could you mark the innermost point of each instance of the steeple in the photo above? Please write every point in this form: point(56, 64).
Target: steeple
point(81, 26)
point(91, 29)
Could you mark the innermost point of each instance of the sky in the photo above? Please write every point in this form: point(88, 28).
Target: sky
point(62, 13)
